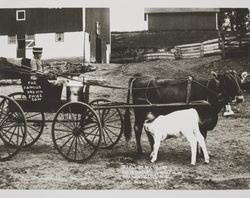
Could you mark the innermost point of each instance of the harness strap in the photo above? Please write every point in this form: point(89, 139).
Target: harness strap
point(189, 85)
point(146, 92)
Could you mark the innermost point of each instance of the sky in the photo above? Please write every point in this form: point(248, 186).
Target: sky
point(125, 15)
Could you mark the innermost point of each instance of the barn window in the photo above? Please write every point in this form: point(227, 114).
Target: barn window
point(59, 37)
point(12, 39)
point(20, 15)
point(30, 37)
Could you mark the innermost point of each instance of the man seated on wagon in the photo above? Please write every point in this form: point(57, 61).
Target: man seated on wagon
point(36, 63)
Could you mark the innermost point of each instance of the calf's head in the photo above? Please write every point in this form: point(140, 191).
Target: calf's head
point(230, 84)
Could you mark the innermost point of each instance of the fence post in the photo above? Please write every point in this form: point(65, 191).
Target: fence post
point(202, 50)
point(219, 39)
point(240, 43)
point(223, 45)
point(177, 53)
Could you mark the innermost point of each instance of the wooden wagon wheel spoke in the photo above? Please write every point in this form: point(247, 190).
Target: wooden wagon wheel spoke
point(27, 117)
point(13, 133)
point(23, 132)
point(90, 130)
point(70, 122)
point(59, 138)
point(110, 116)
point(63, 130)
point(94, 136)
point(33, 129)
point(29, 135)
point(103, 136)
point(67, 141)
point(72, 117)
point(18, 136)
point(105, 113)
point(10, 133)
point(85, 114)
point(83, 140)
point(76, 147)
point(4, 119)
point(71, 145)
point(108, 125)
point(116, 120)
point(112, 132)
point(109, 130)
point(64, 125)
point(2, 105)
point(67, 119)
point(81, 143)
point(108, 135)
point(8, 138)
point(89, 127)
point(77, 121)
point(10, 126)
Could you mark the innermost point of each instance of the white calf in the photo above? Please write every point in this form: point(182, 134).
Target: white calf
point(183, 122)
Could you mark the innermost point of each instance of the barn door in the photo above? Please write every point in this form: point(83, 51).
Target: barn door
point(20, 45)
point(98, 50)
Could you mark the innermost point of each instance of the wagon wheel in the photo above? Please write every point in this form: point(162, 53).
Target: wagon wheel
point(13, 128)
point(35, 122)
point(112, 123)
point(76, 132)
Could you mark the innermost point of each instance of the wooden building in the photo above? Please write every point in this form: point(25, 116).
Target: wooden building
point(164, 19)
point(62, 32)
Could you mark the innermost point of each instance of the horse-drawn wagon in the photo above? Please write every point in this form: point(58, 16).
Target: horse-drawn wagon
point(79, 127)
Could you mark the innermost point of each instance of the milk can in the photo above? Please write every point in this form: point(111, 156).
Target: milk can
point(75, 91)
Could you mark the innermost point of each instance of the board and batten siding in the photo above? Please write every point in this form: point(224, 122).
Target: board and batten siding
point(102, 15)
point(92, 17)
point(182, 21)
point(41, 20)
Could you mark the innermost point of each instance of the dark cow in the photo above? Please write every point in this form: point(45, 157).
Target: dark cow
point(218, 91)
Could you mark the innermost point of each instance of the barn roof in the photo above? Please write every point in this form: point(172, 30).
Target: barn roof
point(179, 10)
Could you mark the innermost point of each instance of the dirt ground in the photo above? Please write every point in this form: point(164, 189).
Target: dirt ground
point(41, 167)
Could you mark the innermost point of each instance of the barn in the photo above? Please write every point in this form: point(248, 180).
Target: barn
point(165, 19)
point(62, 32)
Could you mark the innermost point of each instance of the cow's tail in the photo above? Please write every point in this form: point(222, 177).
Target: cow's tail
point(127, 119)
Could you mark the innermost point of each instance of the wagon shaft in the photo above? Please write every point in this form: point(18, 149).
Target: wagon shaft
point(126, 106)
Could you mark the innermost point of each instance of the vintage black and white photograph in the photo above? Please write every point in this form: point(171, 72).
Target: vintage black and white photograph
point(124, 95)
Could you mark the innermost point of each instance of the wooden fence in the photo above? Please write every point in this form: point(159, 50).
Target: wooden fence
point(229, 41)
point(195, 50)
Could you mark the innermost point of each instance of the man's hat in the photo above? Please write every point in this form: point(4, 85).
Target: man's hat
point(37, 49)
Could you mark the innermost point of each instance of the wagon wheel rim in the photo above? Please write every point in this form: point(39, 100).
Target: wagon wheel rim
point(76, 132)
point(35, 122)
point(112, 124)
point(13, 128)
